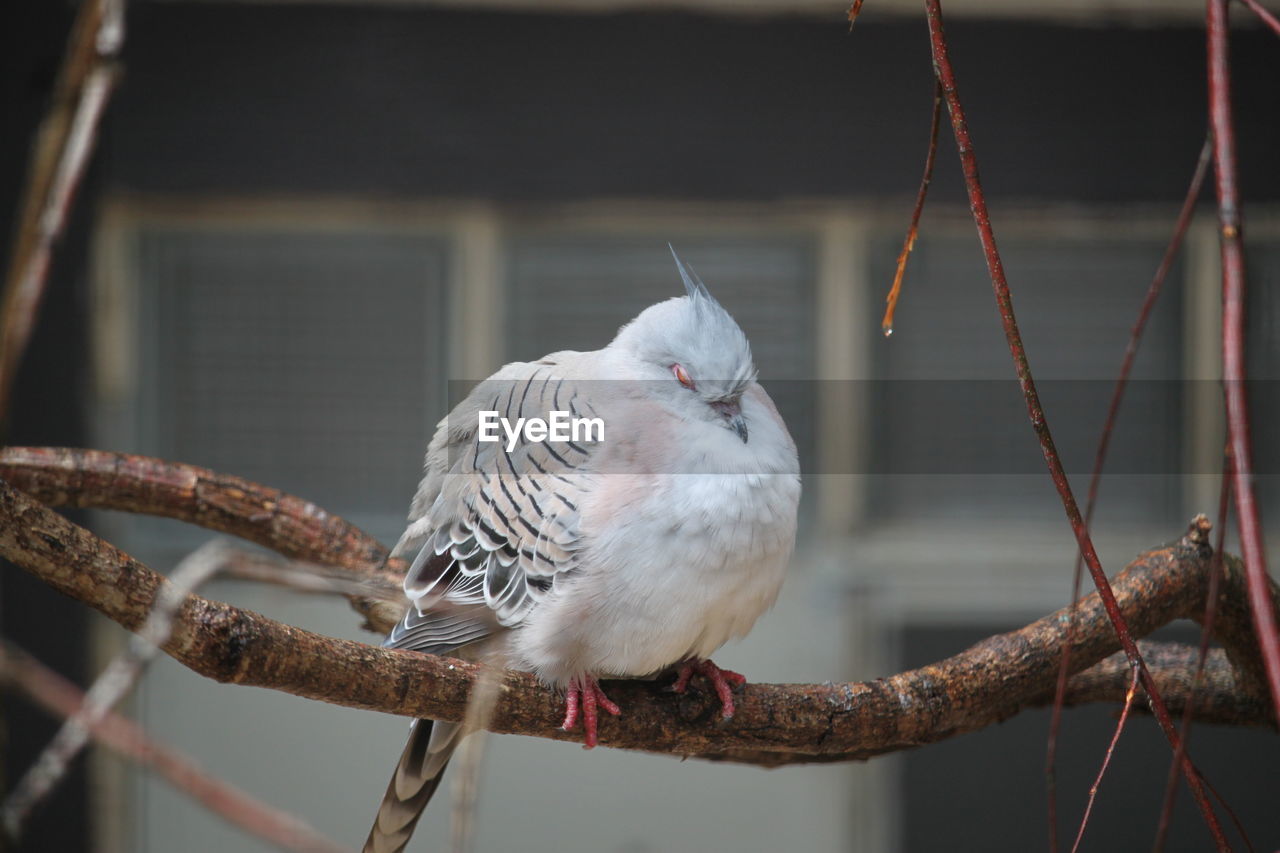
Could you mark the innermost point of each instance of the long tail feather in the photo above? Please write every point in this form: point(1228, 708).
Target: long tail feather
point(417, 776)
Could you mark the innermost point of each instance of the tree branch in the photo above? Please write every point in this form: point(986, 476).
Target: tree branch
point(288, 525)
point(775, 724)
point(1039, 423)
point(60, 697)
point(60, 156)
point(1234, 362)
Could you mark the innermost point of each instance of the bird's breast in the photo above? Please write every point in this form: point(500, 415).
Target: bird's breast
point(698, 559)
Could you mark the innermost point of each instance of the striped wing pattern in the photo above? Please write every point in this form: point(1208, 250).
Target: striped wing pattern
point(505, 523)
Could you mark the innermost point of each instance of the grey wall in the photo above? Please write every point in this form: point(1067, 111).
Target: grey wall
point(237, 97)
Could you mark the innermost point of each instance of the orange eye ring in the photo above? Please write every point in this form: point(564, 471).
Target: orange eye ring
point(683, 376)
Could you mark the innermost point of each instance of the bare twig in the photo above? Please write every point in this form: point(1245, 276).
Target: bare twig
point(854, 9)
point(113, 685)
point(1106, 760)
point(307, 577)
point(62, 152)
point(1206, 635)
point(1099, 461)
point(913, 230)
point(466, 781)
point(58, 696)
point(1234, 369)
point(1266, 17)
point(1039, 423)
point(775, 724)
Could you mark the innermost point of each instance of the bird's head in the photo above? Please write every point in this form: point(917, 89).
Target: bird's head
point(695, 353)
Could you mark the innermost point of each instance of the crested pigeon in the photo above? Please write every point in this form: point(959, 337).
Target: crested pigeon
point(637, 550)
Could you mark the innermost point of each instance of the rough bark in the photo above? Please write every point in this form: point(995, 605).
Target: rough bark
point(775, 724)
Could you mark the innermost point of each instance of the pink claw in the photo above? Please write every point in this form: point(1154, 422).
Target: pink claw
point(723, 680)
point(585, 697)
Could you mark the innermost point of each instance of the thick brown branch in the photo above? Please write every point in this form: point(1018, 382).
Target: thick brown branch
point(775, 723)
point(1223, 697)
point(288, 525)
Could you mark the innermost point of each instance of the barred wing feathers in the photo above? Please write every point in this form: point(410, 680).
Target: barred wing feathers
point(494, 529)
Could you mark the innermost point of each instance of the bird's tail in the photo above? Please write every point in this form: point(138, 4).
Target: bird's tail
point(421, 767)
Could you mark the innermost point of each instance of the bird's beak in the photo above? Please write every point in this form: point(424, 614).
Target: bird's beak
point(731, 411)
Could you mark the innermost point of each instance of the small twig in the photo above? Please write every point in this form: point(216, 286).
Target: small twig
point(1231, 813)
point(1039, 423)
point(886, 325)
point(481, 703)
point(1206, 635)
point(853, 12)
point(1106, 760)
point(1266, 17)
point(113, 685)
point(307, 577)
point(1234, 367)
point(1180, 227)
point(58, 696)
point(62, 152)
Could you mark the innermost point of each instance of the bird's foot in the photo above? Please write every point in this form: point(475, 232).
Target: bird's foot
point(584, 700)
point(723, 680)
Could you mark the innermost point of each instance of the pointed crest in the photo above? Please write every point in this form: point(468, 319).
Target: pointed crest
point(692, 284)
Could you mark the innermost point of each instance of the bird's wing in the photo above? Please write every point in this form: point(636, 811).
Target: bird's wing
point(496, 528)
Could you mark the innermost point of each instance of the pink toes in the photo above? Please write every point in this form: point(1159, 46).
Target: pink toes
point(584, 699)
point(722, 680)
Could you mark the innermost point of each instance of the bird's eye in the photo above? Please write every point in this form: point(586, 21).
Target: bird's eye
point(682, 375)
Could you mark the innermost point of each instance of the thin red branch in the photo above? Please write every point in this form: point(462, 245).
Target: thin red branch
point(886, 325)
point(852, 14)
point(1231, 813)
point(1180, 227)
point(1206, 635)
point(56, 695)
point(1234, 368)
point(1106, 759)
point(1004, 301)
point(1266, 17)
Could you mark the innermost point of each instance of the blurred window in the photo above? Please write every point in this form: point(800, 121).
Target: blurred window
point(950, 431)
point(306, 361)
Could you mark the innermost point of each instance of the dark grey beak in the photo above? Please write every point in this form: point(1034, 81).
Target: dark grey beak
point(731, 411)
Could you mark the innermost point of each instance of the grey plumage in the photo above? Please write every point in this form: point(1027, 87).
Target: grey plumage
point(418, 774)
point(619, 557)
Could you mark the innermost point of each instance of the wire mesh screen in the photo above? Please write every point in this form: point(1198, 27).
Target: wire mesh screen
point(311, 362)
point(951, 432)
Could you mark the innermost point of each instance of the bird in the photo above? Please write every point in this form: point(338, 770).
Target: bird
point(631, 552)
